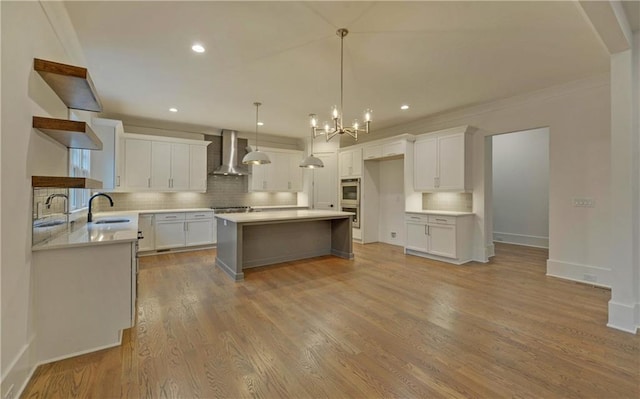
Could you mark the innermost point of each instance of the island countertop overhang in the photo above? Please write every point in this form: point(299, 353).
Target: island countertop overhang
point(272, 216)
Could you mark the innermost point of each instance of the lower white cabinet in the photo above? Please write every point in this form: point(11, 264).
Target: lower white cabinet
point(146, 233)
point(446, 238)
point(199, 228)
point(183, 229)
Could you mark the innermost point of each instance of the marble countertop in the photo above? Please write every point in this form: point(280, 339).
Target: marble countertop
point(282, 215)
point(443, 213)
point(95, 233)
point(147, 211)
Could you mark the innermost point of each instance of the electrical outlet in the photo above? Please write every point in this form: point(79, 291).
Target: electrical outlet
point(583, 202)
point(10, 393)
point(393, 234)
point(590, 277)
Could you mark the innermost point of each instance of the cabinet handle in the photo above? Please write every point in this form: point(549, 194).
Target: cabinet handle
point(169, 217)
point(415, 217)
point(149, 182)
point(371, 156)
point(441, 220)
point(199, 216)
point(117, 181)
point(427, 230)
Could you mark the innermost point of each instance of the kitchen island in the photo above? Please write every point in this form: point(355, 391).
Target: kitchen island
point(248, 240)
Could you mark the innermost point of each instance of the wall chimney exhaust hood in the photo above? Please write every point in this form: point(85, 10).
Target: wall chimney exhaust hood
point(231, 153)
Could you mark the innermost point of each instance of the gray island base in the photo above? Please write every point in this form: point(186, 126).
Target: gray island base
point(248, 240)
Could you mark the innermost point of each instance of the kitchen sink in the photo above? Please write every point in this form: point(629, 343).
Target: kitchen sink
point(49, 223)
point(107, 221)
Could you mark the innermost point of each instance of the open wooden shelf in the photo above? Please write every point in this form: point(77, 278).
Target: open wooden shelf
point(71, 83)
point(73, 134)
point(64, 182)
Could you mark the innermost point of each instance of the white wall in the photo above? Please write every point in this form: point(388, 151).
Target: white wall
point(521, 187)
point(391, 201)
point(26, 33)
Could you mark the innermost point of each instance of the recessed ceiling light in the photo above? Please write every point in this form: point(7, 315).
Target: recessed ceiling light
point(173, 109)
point(260, 124)
point(404, 107)
point(197, 48)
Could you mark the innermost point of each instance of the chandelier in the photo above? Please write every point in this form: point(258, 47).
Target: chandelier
point(336, 113)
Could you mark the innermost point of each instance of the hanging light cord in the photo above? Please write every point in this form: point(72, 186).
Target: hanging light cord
point(342, 35)
point(257, 105)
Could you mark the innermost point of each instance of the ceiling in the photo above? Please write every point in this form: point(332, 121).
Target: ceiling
point(433, 56)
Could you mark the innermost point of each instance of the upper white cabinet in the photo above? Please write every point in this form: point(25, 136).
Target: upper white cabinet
point(385, 150)
point(164, 164)
point(282, 174)
point(197, 174)
point(170, 166)
point(442, 161)
point(351, 162)
point(105, 164)
point(137, 164)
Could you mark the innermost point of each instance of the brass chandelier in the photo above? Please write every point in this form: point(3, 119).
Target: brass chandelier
point(337, 128)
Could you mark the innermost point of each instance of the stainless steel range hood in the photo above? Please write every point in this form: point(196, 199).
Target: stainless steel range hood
point(232, 155)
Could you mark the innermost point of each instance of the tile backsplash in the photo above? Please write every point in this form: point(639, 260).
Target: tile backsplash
point(221, 191)
point(459, 202)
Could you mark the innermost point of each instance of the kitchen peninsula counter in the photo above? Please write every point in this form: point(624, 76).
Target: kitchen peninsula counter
point(255, 239)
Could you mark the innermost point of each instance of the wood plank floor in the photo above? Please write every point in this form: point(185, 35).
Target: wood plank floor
point(382, 325)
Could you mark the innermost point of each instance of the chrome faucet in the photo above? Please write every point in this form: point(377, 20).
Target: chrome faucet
point(89, 215)
point(66, 201)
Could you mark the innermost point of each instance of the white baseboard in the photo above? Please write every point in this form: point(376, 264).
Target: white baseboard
point(521, 239)
point(587, 274)
point(19, 372)
point(624, 317)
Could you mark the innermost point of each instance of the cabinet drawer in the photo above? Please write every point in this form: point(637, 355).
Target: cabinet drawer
point(416, 218)
point(199, 215)
point(169, 216)
point(438, 219)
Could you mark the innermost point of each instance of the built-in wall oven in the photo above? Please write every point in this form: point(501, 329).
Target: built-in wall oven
point(350, 199)
point(350, 192)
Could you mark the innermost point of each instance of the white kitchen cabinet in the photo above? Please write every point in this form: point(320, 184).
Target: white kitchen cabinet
point(154, 163)
point(169, 166)
point(85, 297)
point(442, 161)
point(106, 164)
point(384, 150)
point(446, 238)
point(199, 228)
point(283, 174)
point(350, 164)
point(169, 230)
point(197, 168)
point(137, 164)
point(147, 232)
point(184, 229)
point(160, 165)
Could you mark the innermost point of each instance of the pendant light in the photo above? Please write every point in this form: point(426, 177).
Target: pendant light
point(256, 157)
point(311, 162)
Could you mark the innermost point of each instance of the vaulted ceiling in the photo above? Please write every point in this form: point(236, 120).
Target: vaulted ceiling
point(433, 56)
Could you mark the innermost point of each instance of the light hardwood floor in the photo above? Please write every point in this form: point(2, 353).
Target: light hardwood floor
point(383, 325)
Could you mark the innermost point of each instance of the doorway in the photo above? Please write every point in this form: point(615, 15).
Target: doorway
point(520, 187)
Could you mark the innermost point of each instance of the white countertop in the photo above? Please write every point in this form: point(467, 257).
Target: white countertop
point(443, 213)
point(95, 234)
point(283, 207)
point(271, 216)
point(147, 211)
